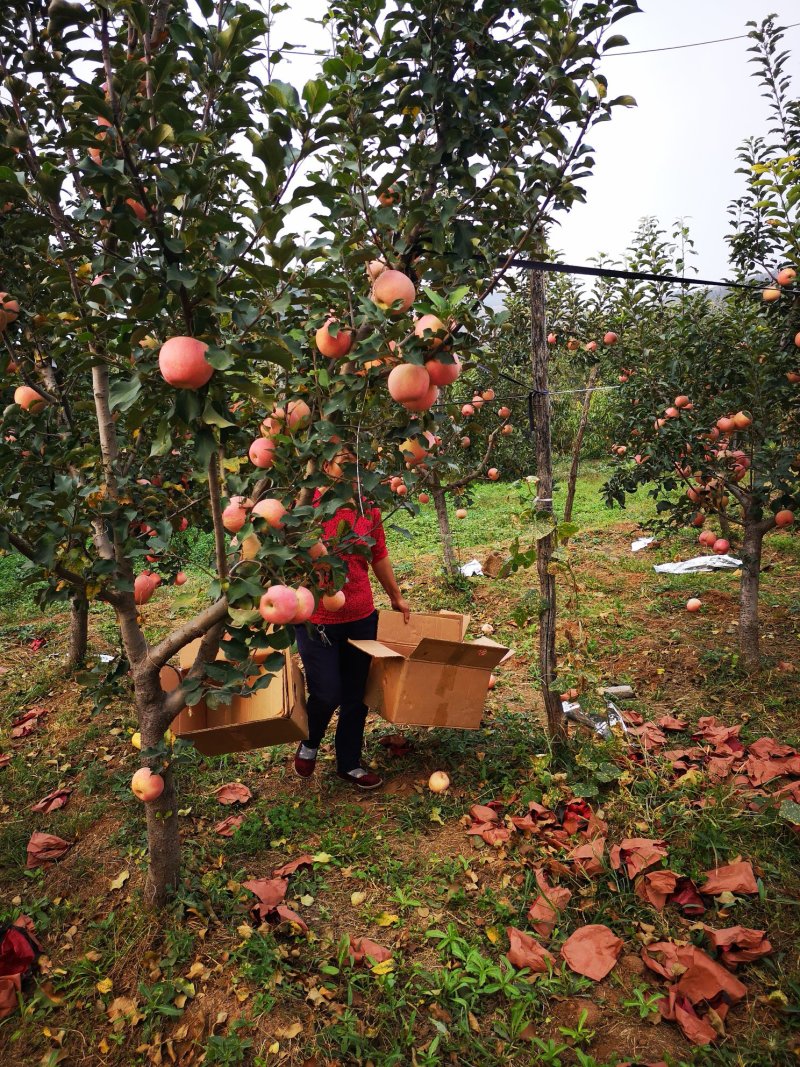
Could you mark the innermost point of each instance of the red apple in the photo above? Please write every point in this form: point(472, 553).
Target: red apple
point(771, 294)
point(784, 517)
point(487, 395)
point(271, 510)
point(551, 339)
point(182, 362)
point(334, 601)
point(438, 782)
point(423, 498)
point(330, 345)
point(465, 442)
point(262, 452)
point(721, 546)
point(786, 276)
point(181, 578)
point(682, 402)
point(493, 474)
point(391, 287)
point(693, 604)
point(143, 587)
point(147, 786)
point(443, 373)
point(504, 412)
point(467, 410)
point(610, 338)
point(279, 605)
point(305, 605)
point(408, 382)
point(461, 513)
point(28, 399)
point(435, 329)
point(742, 419)
point(424, 402)
point(234, 517)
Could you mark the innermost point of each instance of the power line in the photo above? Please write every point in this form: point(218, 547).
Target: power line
point(629, 275)
point(611, 55)
point(693, 44)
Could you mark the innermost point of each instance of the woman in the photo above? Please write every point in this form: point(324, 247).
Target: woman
point(336, 672)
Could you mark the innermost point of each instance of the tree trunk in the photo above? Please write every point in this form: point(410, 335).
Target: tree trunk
point(556, 726)
point(749, 649)
point(576, 448)
point(78, 632)
point(445, 535)
point(163, 838)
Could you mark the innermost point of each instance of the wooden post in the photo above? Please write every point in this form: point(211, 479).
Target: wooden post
point(556, 725)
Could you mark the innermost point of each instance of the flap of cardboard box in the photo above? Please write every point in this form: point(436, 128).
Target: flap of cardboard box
point(394, 631)
point(376, 649)
point(459, 654)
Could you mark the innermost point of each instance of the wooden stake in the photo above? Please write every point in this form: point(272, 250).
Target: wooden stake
point(556, 725)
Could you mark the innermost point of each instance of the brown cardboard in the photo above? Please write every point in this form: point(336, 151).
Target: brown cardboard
point(423, 672)
point(273, 715)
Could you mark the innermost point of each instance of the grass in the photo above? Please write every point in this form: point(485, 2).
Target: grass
point(204, 983)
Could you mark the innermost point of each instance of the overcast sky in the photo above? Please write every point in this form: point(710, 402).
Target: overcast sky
point(675, 154)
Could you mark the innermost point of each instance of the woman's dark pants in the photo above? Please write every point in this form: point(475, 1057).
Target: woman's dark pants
point(336, 676)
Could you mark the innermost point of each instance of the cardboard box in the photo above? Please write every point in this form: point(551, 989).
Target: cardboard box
point(275, 715)
point(425, 674)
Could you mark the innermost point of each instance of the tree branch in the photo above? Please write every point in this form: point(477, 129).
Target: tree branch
point(199, 626)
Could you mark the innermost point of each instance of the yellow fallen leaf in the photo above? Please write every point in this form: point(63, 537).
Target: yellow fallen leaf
point(384, 968)
point(385, 919)
point(104, 1046)
point(493, 934)
point(306, 900)
point(196, 970)
point(322, 857)
point(120, 880)
point(274, 1048)
point(105, 985)
point(290, 1031)
point(245, 932)
point(357, 898)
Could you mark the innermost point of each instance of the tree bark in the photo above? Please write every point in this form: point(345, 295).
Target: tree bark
point(749, 644)
point(576, 448)
point(556, 726)
point(78, 632)
point(163, 838)
point(445, 535)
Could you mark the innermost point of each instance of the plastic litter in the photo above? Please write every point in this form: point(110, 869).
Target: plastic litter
point(471, 568)
point(699, 564)
point(640, 543)
point(602, 726)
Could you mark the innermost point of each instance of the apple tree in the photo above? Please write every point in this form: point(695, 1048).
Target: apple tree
point(712, 408)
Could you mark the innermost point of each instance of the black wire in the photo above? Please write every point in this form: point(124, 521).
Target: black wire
point(627, 275)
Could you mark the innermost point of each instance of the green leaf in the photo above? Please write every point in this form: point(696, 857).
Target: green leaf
point(316, 95)
point(790, 812)
point(211, 417)
point(122, 392)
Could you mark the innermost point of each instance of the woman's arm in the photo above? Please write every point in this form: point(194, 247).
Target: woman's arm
point(385, 575)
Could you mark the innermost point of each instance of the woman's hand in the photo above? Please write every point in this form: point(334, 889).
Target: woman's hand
point(399, 604)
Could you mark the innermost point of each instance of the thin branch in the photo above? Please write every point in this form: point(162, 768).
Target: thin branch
point(199, 626)
point(216, 515)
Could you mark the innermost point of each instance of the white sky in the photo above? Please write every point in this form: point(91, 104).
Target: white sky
point(675, 154)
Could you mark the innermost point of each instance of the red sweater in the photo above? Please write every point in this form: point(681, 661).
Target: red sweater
point(357, 589)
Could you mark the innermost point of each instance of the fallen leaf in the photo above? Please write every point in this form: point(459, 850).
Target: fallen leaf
point(693, 1028)
point(357, 898)
point(123, 1011)
point(671, 722)
point(483, 813)
point(233, 793)
point(525, 951)
point(383, 968)
point(105, 985)
point(5, 758)
point(44, 849)
point(387, 919)
point(290, 1031)
point(120, 880)
point(730, 878)
point(322, 857)
point(26, 723)
point(592, 951)
point(305, 860)
point(687, 899)
point(229, 826)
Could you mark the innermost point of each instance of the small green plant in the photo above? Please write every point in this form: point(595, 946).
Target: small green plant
point(644, 1001)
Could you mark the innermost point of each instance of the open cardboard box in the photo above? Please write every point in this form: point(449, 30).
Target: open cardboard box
point(274, 715)
point(424, 673)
